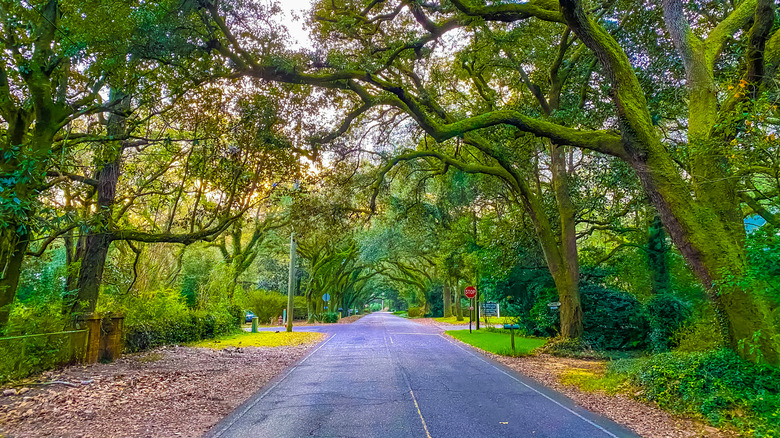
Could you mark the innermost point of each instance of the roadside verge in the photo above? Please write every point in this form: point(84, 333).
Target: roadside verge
point(169, 391)
point(555, 372)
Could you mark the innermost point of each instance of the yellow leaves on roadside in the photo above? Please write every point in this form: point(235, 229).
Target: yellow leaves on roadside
point(262, 339)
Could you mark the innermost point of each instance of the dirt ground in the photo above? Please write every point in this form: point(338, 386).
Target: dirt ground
point(168, 392)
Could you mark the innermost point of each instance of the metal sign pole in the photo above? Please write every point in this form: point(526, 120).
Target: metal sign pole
point(470, 313)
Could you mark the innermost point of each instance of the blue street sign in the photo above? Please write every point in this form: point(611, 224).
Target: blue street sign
point(326, 297)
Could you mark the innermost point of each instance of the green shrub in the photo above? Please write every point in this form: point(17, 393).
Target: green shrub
point(701, 333)
point(613, 320)
point(330, 317)
point(189, 326)
point(27, 355)
point(162, 317)
point(265, 304)
point(415, 312)
point(717, 386)
point(36, 316)
point(666, 314)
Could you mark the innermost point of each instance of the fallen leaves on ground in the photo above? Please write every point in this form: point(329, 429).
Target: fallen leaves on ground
point(351, 319)
point(168, 392)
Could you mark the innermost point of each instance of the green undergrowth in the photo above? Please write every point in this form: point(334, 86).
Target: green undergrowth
point(497, 342)
point(716, 386)
point(595, 380)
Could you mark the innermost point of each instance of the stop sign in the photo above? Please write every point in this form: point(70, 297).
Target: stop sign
point(471, 291)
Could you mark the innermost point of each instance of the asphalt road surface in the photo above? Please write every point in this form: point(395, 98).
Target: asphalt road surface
point(385, 376)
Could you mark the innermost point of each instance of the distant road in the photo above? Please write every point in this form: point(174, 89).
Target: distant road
point(385, 376)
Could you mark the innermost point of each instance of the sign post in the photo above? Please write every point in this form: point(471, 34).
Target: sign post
point(512, 328)
point(470, 293)
point(326, 298)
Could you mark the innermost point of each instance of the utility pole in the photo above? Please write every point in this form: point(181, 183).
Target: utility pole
point(291, 283)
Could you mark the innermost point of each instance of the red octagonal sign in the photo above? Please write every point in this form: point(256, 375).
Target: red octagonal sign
point(471, 291)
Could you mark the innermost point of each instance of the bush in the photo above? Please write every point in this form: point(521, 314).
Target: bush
point(330, 317)
point(27, 355)
point(666, 314)
point(717, 385)
point(415, 312)
point(156, 318)
point(190, 326)
point(265, 304)
point(613, 320)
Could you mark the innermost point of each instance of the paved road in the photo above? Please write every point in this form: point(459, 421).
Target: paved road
point(385, 376)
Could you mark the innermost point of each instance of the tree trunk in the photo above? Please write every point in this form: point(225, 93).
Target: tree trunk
point(458, 306)
point(11, 256)
point(705, 228)
point(310, 307)
point(446, 299)
point(714, 255)
point(567, 278)
point(99, 237)
point(657, 257)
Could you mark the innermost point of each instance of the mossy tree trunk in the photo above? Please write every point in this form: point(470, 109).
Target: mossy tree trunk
point(12, 249)
point(98, 240)
point(658, 257)
point(446, 298)
point(458, 306)
point(706, 227)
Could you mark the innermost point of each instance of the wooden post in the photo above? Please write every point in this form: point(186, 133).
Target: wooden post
point(112, 337)
point(512, 332)
point(254, 324)
point(91, 322)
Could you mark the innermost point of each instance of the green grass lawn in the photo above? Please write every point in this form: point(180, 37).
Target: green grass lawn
point(498, 343)
point(453, 320)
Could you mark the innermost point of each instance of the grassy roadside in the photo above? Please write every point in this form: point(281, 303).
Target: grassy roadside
point(261, 339)
point(454, 320)
point(497, 342)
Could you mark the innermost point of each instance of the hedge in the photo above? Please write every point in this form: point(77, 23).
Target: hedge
point(184, 328)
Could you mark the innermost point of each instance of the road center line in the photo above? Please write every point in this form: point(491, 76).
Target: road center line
point(425, 426)
point(257, 400)
point(408, 385)
point(530, 387)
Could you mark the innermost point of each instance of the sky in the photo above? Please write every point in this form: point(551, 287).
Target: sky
point(293, 8)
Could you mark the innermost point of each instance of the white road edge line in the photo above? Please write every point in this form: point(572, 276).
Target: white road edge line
point(530, 387)
point(257, 400)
